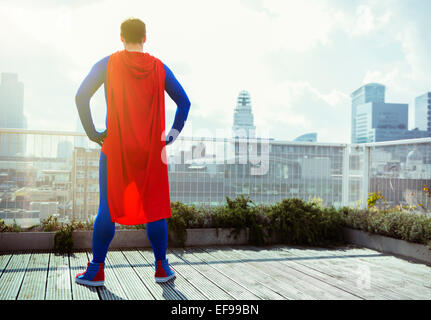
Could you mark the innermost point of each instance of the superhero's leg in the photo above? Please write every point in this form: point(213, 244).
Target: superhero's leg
point(157, 232)
point(103, 232)
point(104, 228)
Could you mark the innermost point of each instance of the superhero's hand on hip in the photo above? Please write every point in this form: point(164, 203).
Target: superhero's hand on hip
point(100, 137)
point(172, 135)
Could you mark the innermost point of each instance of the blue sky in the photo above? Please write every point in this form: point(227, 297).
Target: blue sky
point(300, 60)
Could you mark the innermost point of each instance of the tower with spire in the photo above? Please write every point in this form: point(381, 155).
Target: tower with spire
point(243, 120)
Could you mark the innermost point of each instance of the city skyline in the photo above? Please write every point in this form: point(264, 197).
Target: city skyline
point(300, 75)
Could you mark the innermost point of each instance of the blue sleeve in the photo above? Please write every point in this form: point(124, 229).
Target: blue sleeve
point(176, 93)
point(88, 87)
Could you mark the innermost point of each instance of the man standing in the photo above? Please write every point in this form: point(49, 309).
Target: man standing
point(133, 174)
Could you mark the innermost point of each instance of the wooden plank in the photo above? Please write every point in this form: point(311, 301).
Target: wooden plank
point(345, 268)
point(145, 272)
point(386, 277)
point(343, 271)
point(58, 286)
point(289, 287)
point(420, 274)
point(132, 285)
point(78, 264)
point(4, 260)
point(34, 283)
point(208, 288)
point(13, 274)
point(400, 264)
point(238, 291)
point(180, 285)
point(313, 283)
point(238, 272)
point(339, 272)
point(112, 289)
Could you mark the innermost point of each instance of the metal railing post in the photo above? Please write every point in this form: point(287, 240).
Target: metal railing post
point(346, 175)
point(365, 177)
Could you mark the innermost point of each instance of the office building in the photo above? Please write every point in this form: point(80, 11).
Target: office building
point(12, 114)
point(374, 120)
point(372, 92)
point(422, 113)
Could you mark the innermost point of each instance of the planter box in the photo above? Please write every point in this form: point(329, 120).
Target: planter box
point(412, 251)
point(209, 237)
point(122, 239)
point(15, 241)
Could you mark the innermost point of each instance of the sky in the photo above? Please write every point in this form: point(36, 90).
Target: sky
point(299, 59)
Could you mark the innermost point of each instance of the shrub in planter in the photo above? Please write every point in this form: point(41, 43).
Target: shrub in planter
point(293, 221)
point(241, 213)
point(50, 224)
point(63, 241)
point(9, 228)
point(402, 225)
point(182, 217)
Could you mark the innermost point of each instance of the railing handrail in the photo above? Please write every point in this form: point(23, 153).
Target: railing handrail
point(181, 138)
point(214, 139)
point(393, 142)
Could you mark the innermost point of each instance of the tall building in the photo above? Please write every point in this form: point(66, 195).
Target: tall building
point(12, 114)
point(243, 121)
point(85, 182)
point(11, 102)
point(372, 92)
point(374, 120)
point(422, 113)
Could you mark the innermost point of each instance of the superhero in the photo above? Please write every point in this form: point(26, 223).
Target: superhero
point(133, 174)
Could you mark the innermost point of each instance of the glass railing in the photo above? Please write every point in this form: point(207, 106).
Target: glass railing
point(46, 174)
point(400, 173)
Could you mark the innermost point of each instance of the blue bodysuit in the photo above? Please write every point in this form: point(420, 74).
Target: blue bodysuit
point(104, 228)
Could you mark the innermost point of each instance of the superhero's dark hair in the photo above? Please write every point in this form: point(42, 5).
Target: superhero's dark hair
point(133, 30)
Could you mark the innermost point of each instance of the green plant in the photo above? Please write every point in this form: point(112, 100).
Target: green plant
point(241, 213)
point(293, 221)
point(395, 223)
point(180, 220)
point(82, 225)
point(373, 198)
point(50, 224)
point(63, 241)
point(9, 228)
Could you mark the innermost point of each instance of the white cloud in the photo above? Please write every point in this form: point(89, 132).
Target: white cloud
point(216, 49)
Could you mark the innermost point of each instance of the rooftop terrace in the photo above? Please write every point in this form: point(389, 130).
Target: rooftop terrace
point(226, 273)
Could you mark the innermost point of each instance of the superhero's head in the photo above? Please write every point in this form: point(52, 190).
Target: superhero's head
point(133, 31)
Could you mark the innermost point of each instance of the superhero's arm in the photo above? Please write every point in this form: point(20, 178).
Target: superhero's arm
point(88, 87)
point(177, 93)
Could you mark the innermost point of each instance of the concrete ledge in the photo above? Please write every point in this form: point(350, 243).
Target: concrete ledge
point(411, 251)
point(209, 237)
point(15, 241)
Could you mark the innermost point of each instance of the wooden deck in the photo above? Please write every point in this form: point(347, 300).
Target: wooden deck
point(220, 273)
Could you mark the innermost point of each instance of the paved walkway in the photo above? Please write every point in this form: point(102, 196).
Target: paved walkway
point(245, 272)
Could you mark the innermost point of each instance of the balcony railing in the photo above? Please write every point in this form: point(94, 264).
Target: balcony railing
point(45, 173)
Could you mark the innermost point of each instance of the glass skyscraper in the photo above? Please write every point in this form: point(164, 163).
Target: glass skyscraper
point(12, 114)
point(372, 92)
point(422, 113)
point(374, 120)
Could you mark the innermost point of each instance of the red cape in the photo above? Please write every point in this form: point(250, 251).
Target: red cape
point(137, 174)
